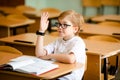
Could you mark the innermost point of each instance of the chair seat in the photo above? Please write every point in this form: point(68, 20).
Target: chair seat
point(10, 49)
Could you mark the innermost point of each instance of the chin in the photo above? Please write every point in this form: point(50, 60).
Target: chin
point(61, 35)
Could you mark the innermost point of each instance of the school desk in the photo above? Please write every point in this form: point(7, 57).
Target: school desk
point(97, 50)
point(7, 24)
point(115, 18)
point(95, 29)
point(10, 75)
point(26, 42)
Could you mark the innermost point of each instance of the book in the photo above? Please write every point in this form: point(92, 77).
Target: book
point(29, 64)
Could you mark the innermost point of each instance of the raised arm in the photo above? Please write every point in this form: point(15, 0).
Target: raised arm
point(39, 51)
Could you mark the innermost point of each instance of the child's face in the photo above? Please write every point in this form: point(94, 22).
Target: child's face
point(66, 29)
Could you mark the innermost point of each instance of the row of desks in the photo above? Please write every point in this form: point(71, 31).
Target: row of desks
point(87, 29)
point(97, 50)
point(53, 14)
point(34, 14)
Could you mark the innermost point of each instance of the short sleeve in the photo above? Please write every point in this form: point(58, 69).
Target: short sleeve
point(79, 51)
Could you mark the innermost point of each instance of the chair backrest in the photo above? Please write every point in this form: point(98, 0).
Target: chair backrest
point(103, 38)
point(10, 49)
point(91, 3)
point(110, 2)
point(110, 23)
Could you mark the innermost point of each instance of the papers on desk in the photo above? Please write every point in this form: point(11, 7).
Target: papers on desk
point(29, 64)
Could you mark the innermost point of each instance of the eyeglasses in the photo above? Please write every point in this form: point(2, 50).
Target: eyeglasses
point(63, 26)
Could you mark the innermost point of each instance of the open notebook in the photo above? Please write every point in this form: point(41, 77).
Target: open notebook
point(29, 64)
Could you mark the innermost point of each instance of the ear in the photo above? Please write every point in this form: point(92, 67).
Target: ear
point(75, 29)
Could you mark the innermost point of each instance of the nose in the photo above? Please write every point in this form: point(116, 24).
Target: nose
point(60, 27)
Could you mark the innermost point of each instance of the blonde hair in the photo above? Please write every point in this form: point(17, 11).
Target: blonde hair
point(76, 19)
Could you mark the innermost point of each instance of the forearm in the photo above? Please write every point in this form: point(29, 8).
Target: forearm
point(65, 58)
point(39, 50)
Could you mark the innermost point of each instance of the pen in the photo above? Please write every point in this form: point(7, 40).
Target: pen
point(23, 41)
point(115, 33)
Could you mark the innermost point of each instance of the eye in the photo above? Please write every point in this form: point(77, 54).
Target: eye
point(57, 24)
point(66, 25)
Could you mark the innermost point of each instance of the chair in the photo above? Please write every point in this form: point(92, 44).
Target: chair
point(112, 60)
point(110, 23)
point(10, 49)
point(91, 3)
point(113, 3)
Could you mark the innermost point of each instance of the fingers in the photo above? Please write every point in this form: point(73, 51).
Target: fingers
point(44, 21)
point(44, 16)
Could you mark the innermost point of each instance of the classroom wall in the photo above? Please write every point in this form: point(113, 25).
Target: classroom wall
point(68, 4)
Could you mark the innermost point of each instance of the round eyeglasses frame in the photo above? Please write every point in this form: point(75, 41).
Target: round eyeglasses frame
point(63, 26)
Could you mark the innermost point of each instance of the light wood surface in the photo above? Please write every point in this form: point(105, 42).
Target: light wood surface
point(10, 23)
point(62, 70)
point(9, 10)
point(10, 49)
point(95, 29)
point(106, 18)
point(31, 37)
point(103, 48)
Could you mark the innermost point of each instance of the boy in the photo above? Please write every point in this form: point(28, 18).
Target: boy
point(69, 48)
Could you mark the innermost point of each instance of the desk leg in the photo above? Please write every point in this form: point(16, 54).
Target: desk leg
point(93, 71)
point(14, 31)
point(105, 68)
point(8, 31)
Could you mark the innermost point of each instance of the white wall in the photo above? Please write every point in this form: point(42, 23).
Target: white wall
point(68, 4)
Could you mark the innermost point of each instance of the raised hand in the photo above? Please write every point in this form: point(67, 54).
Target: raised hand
point(44, 22)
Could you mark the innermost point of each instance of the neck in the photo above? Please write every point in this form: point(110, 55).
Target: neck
point(68, 37)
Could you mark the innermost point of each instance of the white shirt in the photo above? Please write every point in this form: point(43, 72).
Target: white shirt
point(75, 45)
